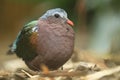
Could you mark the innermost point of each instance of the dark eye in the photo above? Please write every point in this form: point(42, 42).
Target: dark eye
point(57, 15)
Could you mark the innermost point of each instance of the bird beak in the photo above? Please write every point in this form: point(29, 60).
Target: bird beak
point(70, 22)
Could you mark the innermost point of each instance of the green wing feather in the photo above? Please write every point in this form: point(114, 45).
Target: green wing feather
point(21, 46)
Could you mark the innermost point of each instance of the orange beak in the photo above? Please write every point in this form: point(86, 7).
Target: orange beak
point(70, 22)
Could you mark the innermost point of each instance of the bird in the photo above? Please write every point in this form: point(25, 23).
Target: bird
point(49, 40)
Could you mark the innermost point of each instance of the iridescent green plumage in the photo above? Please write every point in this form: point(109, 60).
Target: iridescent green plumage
point(22, 46)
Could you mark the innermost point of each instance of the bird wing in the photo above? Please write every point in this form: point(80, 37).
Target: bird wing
point(21, 41)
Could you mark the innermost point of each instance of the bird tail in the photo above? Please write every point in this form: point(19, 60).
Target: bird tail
point(10, 51)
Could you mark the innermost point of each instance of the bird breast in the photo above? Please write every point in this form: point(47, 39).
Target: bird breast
point(56, 40)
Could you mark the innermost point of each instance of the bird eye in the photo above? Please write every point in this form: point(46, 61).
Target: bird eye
point(57, 15)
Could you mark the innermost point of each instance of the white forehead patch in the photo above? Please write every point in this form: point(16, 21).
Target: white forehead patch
point(51, 12)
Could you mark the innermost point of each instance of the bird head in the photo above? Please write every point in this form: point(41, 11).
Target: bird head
point(57, 13)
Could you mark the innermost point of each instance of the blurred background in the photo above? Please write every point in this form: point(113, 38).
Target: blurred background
point(97, 23)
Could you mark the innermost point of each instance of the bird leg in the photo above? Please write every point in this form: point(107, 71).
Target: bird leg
point(44, 68)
